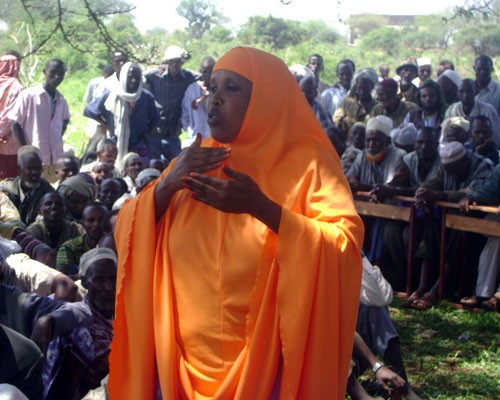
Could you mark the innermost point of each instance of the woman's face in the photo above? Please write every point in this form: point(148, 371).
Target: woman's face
point(227, 104)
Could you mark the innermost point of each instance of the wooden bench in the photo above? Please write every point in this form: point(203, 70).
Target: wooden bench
point(451, 221)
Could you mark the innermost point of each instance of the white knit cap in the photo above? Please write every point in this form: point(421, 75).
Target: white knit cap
point(405, 135)
point(147, 172)
point(452, 76)
point(96, 254)
point(424, 61)
point(451, 152)
point(380, 123)
point(174, 53)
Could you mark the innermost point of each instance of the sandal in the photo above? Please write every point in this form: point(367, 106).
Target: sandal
point(415, 296)
point(428, 300)
point(470, 302)
point(492, 304)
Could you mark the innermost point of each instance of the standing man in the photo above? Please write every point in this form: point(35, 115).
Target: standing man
point(41, 115)
point(317, 65)
point(333, 96)
point(168, 89)
point(194, 111)
point(487, 90)
point(407, 72)
point(424, 65)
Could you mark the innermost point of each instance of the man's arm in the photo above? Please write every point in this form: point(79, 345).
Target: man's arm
point(18, 131)
point(65, 126)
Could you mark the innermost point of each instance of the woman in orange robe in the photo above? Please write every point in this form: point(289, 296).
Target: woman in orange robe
point(240, 267)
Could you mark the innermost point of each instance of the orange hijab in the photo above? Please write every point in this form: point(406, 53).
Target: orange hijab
point(303, 285)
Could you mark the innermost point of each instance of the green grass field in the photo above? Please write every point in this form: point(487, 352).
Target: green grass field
point(450, 353)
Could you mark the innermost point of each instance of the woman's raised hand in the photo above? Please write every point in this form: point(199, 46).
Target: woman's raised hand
point(197, 159)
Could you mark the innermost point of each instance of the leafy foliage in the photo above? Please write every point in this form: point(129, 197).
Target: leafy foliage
point(201, 16)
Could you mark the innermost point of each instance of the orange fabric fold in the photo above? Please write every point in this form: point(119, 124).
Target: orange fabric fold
point(216, 304)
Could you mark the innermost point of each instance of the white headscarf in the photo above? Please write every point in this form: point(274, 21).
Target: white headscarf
point(117, 104)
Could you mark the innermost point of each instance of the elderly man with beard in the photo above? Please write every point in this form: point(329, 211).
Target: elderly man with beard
point(390, 104)
point(407, 91)
point(375, 165)
point(469, 107)
point(432, 107)
point(27, 189)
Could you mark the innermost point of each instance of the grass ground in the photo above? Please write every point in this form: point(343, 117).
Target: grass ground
point(450, 353)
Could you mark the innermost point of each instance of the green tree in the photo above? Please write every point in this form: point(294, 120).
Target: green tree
point(385, 39)
point(483, 38)
point(362, 24)
point(277, 33)
point(201, 16)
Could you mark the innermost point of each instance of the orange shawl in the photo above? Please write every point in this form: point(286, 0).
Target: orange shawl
point(298, 291)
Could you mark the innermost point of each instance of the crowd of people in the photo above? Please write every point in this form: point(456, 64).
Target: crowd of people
point(76, 233)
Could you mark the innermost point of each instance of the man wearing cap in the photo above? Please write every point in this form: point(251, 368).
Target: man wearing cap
point(432, 107)
point(75, 337)
point(168, 88)
point(390, 104)
point(487, 90)
point(27, 189)
point(407, 91)
point(450, 82)
point(404, 137)
point(469, 107)
point(376, 164)
point(79, 190)
point(424, 65)
point(460, 173)
point(357, 106)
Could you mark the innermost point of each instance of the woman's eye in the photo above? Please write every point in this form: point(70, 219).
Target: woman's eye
point(232, 88)
point(212, 89)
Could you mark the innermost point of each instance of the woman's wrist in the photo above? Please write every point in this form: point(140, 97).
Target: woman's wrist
point(268, 212)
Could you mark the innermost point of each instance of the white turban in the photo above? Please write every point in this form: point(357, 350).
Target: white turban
point(424, 61)
point(405, 135)
point(380, 123)
point(90, 257)
point(453, 76)
point(451, 152)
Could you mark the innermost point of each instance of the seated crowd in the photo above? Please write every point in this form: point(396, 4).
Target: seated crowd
point(432, 140)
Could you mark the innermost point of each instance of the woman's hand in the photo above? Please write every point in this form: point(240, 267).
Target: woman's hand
point(196, 159)
point(193, 159)
point(238, 195)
